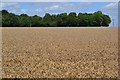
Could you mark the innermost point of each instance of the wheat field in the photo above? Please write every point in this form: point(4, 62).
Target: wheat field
point(60, 52)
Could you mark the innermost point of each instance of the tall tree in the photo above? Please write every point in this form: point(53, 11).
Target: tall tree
point(72, 19)
point(60, 20)
point(98, 18)
point(106, 20)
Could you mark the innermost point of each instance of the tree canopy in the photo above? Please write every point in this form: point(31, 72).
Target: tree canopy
point(96, 19)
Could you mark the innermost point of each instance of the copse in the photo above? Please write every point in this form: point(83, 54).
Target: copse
point(96, 19)
point(72, 19)
point(0, 19)
point(9, 19)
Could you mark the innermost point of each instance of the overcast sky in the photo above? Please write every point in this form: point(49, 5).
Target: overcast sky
point(40, 8)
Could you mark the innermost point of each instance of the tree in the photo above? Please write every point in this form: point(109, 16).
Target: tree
point(72, 19)
point(36, 21)
point(106, 20)
point(24, 20)
point(60, 20)
point(47, 17)
point(24, 15)
point(0, 18)
point(4, 12)
point(83, 19)
point(98, 18)
point(72, 14)
point(10, 20)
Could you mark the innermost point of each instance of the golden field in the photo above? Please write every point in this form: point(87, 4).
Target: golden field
point(60, 52)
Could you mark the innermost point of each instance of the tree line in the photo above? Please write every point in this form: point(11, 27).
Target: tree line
point(96, 19)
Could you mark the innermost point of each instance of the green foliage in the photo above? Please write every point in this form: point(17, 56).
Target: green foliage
point(60, 20)
point(72, 19)
point(98, 18)
point(24, 20)
point(4, 12)
point(9, 20)
point(0, 18)
point(35, 21)
point(106, 20)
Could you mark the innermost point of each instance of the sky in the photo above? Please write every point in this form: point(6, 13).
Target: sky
point(40, 8)
point(60, 0)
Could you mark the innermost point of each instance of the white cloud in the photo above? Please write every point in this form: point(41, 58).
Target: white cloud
point(91, 12)
point(11, 7)
point(24, 10)
point(111, 9)
point(60, 1)
point(42, 8)
point(38, 10)
point(55, 6)
point(34, 0)
point(4, 5)
point(111, 5)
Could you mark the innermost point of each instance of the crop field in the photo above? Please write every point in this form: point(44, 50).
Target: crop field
point(60, 52)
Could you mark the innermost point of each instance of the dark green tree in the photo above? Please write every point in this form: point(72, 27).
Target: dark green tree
point(72, 19)
point(4, 12)
point(106, 20)
point(62, 19)
point(96, 19)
